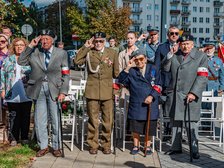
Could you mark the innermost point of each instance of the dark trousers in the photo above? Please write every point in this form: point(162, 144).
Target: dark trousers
point(19, 118)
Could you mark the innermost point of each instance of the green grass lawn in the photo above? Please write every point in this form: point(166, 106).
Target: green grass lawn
point(16, 157)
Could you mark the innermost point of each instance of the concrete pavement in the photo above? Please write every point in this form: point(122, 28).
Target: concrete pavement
point(211, 157)
point(82, 159)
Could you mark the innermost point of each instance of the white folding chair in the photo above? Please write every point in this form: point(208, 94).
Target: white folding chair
point(219, 99)
point(206, 123)
point(74, 93)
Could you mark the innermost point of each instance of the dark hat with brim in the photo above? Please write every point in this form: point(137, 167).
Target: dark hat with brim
point(186, 38)
point(137, 53)
point(99, 35)
point(47, 32)
point(153, 31)
point(209, 45)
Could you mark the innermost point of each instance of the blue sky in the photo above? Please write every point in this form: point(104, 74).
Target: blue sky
point(39, 2)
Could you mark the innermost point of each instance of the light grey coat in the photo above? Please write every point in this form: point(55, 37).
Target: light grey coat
point(57, 82)
point(186, 78)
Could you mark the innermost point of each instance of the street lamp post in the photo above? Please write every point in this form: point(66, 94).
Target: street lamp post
point(60, 25)
point(154, 21)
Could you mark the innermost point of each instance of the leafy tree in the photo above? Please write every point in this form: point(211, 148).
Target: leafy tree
point(14, 14)
point(6, 14)
point(52, 20)
point(101, 15)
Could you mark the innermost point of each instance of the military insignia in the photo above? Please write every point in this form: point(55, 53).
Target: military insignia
point(108, 61)
point(216, 66)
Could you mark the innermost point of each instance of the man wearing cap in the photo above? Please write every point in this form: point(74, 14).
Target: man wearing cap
point(47, 84)
point(102, 68)
point(189, 78)
point(149, 42)
point(215, 72)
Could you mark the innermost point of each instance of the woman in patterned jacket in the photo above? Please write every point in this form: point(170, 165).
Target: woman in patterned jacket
point(13, 78)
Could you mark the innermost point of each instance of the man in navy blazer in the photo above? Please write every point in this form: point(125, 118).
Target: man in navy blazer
point(160, 57)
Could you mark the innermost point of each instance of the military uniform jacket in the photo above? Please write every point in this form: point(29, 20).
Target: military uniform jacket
point(188, 76)
point(57, 73)
point(140, 88)
point(149, 49)
point(216, 68)
point(99, 85)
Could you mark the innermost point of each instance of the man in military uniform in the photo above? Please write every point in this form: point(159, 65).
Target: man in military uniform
point(149, 42)
point(215, 70)
point(215, 76)
point(102, 68)
point(189, 78)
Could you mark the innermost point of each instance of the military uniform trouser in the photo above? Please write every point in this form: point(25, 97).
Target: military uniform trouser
point(177, 127)
point(94, 107)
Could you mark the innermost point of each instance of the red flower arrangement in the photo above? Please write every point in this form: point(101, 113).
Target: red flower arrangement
point(67, 107)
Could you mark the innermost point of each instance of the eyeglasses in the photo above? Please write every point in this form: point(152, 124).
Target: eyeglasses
point(2, 41)
point(99, 41)
point(153, 34)
point(172, 33)
point(139, 59)
point(21, 45)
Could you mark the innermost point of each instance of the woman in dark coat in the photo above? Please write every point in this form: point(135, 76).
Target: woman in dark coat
point(143, 81)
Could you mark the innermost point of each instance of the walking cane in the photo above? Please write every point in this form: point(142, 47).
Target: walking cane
point(115, 125)
point(147, 129)
point(61, 132)
point(187, 112)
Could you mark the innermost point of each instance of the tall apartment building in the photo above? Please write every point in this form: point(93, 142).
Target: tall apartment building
point(202, 18)
point(145, 13)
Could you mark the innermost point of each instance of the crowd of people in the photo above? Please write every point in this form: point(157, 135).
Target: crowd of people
point(166, 78)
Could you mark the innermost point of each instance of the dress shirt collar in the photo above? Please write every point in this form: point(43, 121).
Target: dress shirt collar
point(50, 50)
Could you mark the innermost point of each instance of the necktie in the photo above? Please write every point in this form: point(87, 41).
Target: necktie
point(47, 58)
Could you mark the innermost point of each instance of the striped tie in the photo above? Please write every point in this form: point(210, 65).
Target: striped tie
point(47, 58)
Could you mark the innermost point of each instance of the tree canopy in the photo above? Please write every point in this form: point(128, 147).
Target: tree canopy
point(100, 15)
point(14, 14)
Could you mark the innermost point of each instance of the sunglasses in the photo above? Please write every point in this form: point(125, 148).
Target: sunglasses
point(172, 33)
point(2, 41)
point(21, 45)
point(139, 59)
point(99, 41)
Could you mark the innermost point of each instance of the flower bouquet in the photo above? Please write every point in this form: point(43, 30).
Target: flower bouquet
point(67, 107)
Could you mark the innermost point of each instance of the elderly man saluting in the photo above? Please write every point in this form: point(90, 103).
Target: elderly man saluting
point(189, 78)
point(49, 81)
point(102, 68)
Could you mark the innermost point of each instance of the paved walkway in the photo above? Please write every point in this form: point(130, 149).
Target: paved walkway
point(82, 159)
point(211, 157)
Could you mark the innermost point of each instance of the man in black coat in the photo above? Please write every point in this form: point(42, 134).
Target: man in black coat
point(160, 57)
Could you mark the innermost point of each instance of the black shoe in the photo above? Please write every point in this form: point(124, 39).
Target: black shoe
point(196, 155)
point(172, 152)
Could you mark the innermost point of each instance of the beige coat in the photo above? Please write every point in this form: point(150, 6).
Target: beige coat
point(123, 62)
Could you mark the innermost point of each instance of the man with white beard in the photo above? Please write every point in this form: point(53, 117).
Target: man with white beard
point(215, 70)
point(215, 73)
